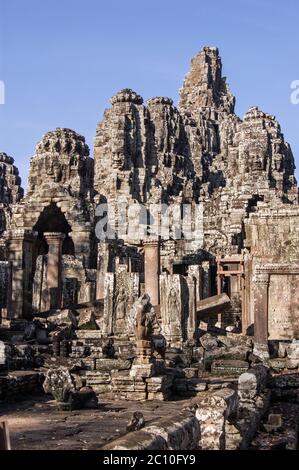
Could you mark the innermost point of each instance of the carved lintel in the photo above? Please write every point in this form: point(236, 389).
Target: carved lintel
point(278, 268)
point(261, 279)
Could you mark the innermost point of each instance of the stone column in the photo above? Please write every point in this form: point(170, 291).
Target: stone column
point(206, 279)
point(152, 270)
point(54, 240)
point(260, 305)
point(4, 287)
point(20, 284)
point(192, 301)
point(247, 306)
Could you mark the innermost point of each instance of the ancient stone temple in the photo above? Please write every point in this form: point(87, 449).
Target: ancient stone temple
point(199, 262)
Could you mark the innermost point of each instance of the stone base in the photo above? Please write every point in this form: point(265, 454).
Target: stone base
point(125, 387)
point(140, 386)
point(142, 371)
point(159, 388)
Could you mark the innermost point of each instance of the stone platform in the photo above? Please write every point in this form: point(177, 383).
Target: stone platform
point(36, 425)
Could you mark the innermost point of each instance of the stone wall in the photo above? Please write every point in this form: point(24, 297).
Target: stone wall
point(11, 191)
point(272, 271)
point(224, 419)
point(173, 433)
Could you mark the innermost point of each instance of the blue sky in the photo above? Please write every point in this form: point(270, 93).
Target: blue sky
point(61, 60)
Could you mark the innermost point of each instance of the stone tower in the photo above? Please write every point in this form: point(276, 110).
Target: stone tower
point(10, 189)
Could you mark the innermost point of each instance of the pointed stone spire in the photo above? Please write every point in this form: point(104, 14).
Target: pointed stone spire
point(204, 86)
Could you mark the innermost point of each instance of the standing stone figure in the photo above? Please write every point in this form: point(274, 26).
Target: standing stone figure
point(145, 319)
point(174, 309)
point(120, 309)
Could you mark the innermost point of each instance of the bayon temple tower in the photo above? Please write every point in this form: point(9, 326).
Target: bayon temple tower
point(218, 298)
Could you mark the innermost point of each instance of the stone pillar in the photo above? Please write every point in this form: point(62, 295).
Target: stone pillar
point(54, 240)
point(206, 279)
point(260, 305)
point(247, 318)
point(20, 285)
point(152, 270)
point(192, 301)
point(4, 285)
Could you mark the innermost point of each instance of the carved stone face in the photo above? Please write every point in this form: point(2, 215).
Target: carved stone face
point(258, 163)
point(57, 173)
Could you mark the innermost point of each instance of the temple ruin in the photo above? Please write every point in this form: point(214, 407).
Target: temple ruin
point(207, 314)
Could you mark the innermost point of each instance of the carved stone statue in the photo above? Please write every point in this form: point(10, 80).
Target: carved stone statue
point(174, 308)
point(120, 307)
point(145, 317)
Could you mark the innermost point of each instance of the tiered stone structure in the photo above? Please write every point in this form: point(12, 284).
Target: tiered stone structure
point(241, 173)
point(11, 192)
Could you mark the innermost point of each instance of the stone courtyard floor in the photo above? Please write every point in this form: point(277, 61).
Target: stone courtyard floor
point(36, 424)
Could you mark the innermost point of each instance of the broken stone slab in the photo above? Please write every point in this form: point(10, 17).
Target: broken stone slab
point(232, 340)
point(88, 334)
point(112, 364)
point(209, 342)
point(229, 367)
point(213, 305)
point(223, 353)
point(87, 321)
point(277, 364)
point(64, 317)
